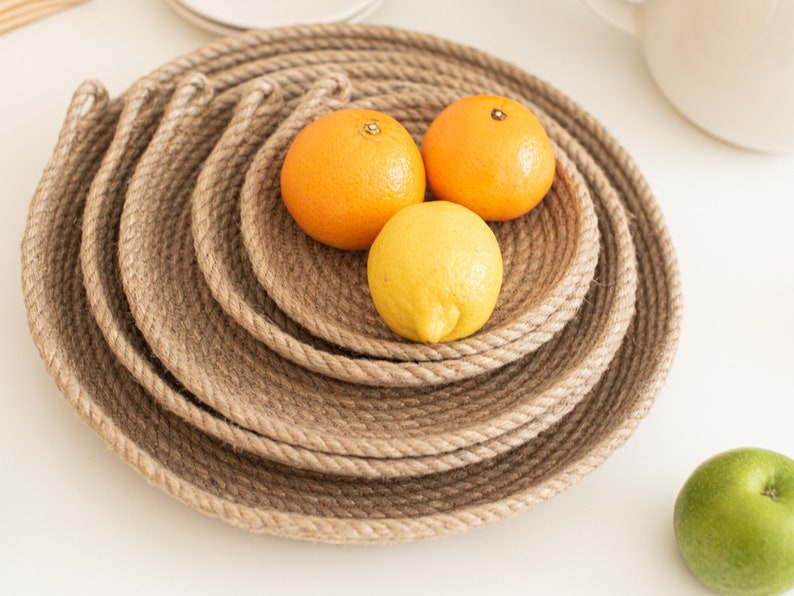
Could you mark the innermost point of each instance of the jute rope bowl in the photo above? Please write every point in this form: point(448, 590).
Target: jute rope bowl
point(239, 366)
point(549, 263)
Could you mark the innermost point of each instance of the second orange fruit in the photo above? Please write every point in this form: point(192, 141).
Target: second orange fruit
point(347, 173)
point(490, 154)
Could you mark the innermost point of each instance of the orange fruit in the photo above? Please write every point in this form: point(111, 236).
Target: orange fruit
point(347, 173)
point(490, 154)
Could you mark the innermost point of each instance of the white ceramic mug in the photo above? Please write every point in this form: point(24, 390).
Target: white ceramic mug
point(727, 65)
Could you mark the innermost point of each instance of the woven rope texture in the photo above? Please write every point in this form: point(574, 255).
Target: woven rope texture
point(240, 366)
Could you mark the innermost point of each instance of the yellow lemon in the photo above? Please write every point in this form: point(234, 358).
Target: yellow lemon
point(435, 272)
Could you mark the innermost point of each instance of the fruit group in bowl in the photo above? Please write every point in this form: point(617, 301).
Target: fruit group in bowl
point(434, 274)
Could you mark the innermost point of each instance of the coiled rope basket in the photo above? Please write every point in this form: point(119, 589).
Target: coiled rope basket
point(240, 366)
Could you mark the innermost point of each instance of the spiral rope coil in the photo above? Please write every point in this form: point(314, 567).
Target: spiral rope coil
point(240, 366)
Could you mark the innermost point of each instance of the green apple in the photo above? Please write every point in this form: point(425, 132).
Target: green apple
point(734, 522)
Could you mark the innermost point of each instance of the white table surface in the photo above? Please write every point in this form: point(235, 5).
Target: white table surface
point(76, 519)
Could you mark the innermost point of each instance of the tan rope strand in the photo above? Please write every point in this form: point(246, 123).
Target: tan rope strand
point(16, 14)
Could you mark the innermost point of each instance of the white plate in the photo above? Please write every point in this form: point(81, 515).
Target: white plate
point(226, 16)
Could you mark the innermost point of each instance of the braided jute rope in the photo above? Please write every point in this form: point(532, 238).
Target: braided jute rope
point(238, 365)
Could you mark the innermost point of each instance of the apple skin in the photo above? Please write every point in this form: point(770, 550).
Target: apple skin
point(734, 522)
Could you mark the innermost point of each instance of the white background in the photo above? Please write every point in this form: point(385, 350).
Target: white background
point(75, 519)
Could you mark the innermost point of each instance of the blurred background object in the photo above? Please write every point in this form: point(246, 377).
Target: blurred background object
point(226, 17)
point(15, 13)
point(727, 66)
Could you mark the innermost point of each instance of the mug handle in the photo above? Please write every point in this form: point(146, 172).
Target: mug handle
point(621, 14)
